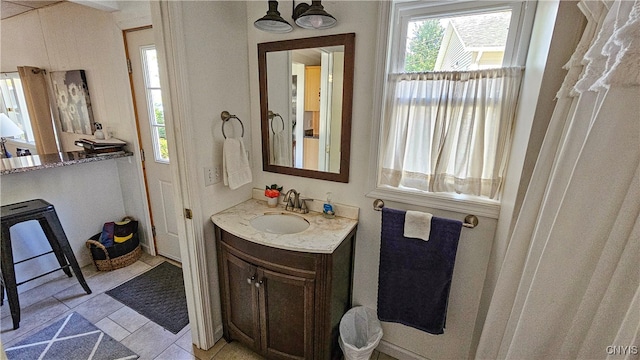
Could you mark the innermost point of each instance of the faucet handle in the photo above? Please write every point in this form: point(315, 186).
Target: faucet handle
point(303, 205)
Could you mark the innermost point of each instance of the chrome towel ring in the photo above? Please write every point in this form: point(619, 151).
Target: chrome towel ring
point(273, 115)
point(225, 115)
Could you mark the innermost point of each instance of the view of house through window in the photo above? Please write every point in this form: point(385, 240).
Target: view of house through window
point(154, 103)
point(467, 42)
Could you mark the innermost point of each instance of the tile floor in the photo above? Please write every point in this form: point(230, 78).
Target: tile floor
point(47, 303)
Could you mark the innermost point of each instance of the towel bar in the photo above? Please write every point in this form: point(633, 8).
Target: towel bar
point(225, 115)
point(470, 221)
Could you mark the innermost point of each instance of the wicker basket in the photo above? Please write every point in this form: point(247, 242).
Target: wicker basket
point(116, 256)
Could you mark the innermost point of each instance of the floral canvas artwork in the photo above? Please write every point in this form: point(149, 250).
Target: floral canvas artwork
point(73, 102)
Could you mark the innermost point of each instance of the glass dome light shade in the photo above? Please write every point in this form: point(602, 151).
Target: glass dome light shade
point(315, 17)
point(272, 21)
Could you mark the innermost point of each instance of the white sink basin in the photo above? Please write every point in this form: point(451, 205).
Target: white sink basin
point(280, 223)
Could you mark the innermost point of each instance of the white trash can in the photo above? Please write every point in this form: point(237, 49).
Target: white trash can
point(360, 333)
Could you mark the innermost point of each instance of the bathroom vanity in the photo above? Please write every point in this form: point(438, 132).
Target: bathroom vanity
point(283, 295)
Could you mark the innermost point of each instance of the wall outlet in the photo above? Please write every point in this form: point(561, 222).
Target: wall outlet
point(217, 174)
point(212, 175)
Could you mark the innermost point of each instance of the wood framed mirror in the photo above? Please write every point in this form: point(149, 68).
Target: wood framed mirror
point(306, 96)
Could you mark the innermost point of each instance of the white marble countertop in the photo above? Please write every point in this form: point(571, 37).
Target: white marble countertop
point(322, 236)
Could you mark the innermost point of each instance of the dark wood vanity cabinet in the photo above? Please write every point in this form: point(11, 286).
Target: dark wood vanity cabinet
point(284, 304)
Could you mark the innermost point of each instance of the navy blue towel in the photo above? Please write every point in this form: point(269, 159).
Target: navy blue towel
point(415, 275)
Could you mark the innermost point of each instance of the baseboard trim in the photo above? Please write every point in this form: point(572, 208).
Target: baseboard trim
point(217, 334)
point(398, 352)
point(146, 248)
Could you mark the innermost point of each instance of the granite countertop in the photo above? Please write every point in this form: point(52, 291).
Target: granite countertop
point(21, 164)
point(322, 236)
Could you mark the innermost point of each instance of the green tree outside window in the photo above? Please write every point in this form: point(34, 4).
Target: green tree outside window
point(424, 46)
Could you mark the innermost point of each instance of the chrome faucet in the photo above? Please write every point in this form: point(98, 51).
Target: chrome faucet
point(290, 204)
point(296, 203)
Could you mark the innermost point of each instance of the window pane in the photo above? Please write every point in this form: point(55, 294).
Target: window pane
point(162, 132)
point(152, 68)
point(468, 42)
point(423, 45)
point(161, 149)
point(154, 104)
point(450, 99)
point(156, 101)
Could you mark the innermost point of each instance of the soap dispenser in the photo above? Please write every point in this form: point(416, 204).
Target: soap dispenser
point(328, 210)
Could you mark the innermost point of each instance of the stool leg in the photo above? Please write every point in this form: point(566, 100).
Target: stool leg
point(1, 290)
point(9, 276)
point(55, 246)
point(61, 237)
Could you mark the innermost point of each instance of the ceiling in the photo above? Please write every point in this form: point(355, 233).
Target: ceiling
point(15, 7)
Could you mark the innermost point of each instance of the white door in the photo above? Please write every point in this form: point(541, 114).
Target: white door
point(141, 52)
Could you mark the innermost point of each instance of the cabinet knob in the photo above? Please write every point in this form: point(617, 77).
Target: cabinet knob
point(259, 283)
point(250, 280)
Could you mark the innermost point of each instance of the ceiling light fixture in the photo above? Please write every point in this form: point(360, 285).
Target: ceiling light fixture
point(313, 16)
point(272, 21)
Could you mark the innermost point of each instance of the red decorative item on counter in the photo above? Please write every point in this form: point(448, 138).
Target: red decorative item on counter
point(272, 191)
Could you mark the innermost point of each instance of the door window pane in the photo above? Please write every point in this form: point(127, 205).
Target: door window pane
point(154, 104)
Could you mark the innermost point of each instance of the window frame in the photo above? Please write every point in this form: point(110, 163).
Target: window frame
point(404, 12)
point(392, 32)
point(151, 116)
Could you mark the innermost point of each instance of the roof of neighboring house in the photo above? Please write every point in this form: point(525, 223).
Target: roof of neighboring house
point(486, 30)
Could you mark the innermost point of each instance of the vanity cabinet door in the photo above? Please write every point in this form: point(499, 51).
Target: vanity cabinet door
point(287, 315)
point(241, 305)
point(293, 307)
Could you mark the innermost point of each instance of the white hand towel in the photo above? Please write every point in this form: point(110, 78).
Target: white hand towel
point(281, 149)
point(235, 164)
point(417, 225)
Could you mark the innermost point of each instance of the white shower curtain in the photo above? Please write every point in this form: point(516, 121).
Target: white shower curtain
point(569, 286)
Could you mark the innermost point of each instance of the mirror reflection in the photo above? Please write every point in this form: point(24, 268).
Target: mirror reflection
point(306, 90)
point(25, 102)
point(304, 122)
point(14, 105)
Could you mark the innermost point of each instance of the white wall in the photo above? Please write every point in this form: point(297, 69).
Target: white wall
point(68, 36)
point(85, 196)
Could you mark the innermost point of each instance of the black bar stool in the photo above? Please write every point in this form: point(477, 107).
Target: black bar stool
point(46, 215)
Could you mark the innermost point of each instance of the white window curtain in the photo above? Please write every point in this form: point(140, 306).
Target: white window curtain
point(449, 131)
point(569, 285)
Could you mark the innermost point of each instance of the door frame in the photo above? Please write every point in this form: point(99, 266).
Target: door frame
point(168, 31)
point(152, 244)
